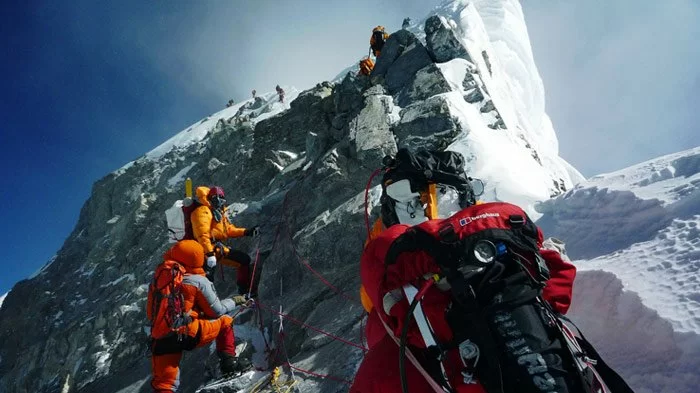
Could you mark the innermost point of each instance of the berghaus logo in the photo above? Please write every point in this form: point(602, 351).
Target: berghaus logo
point(468, 220)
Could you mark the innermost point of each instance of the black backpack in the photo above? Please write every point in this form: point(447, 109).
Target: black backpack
point(378, 40)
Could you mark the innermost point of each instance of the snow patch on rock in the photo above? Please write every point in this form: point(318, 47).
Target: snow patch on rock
point(180, 176)
point(2, 298)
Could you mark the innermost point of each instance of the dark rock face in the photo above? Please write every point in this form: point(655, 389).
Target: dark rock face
point(442, 41)
point(403, 55)
point(428, 124)
point(426, 83)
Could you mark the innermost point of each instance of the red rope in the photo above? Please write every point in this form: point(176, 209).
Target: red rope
point(282, 212)
point(369, 184)
point(343, 380)
point(298, 322)
point(289, 364)
point(317, 274)
point(255, 266)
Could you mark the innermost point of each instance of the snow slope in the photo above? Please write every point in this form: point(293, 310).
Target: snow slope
point(266, 106)
point(2, 299)
point(637, 294)
point(663, 271)
point(612, 211)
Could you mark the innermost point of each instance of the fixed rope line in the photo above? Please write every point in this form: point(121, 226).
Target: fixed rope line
point(255, 266)
point(317, 274)
point(326, 376)
point(298, 322)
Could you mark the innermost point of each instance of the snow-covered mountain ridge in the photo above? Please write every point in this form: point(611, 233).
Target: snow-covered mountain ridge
point(612, 211)
point(463, 79)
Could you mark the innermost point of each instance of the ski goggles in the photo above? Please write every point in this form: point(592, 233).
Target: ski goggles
point(217, 201)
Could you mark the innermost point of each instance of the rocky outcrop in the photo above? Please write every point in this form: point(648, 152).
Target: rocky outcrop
point(427, 124)
point(442, 41)
point(370, 134)
point(402, 57)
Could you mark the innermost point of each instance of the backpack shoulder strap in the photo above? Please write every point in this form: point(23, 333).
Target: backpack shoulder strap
point(415, 239)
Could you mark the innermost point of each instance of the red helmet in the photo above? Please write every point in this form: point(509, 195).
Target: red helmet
point(216, 191)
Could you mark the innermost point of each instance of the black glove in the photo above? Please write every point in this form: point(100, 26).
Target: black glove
point(254, 231)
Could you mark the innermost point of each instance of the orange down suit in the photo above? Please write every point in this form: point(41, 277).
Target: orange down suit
point(209, 322)
point(208, 230)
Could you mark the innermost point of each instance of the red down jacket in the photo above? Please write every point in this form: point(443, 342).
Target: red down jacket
point(379, 371)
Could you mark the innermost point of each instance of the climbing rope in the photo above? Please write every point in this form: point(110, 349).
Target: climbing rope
point(298, 322)
point(325, 376)
point(292, 368)
point(317, 274)
point(255, 266)
point(282, 215)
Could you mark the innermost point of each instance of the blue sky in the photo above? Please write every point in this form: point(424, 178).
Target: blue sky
point(87, 86)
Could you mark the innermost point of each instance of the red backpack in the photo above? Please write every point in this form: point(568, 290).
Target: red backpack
point(166, 303)
point(489, 254)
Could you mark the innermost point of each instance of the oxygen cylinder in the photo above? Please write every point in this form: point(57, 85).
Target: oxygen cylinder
point(188, 193)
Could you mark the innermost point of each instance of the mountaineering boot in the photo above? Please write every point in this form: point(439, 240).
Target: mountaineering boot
point(231, 365)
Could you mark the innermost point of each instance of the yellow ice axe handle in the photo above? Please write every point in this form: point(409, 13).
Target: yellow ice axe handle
point(188, 188)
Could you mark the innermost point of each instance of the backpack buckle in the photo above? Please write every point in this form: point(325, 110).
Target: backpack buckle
point(516, 220)
point(448, 234)
point(542, 269)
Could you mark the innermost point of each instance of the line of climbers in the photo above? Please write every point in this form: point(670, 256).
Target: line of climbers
point(183, 307)
point(278, 89)
point(461, 296)
point(376, 44)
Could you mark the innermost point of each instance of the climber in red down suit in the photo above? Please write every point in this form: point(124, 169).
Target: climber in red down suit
point(443, 342)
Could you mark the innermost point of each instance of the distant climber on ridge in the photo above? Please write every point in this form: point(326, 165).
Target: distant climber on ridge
point(377, 40)
point(254, 93)
point(211, 227)
point(230, 103)
point(185, 313)
point(280, 93)
point(406, 23)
